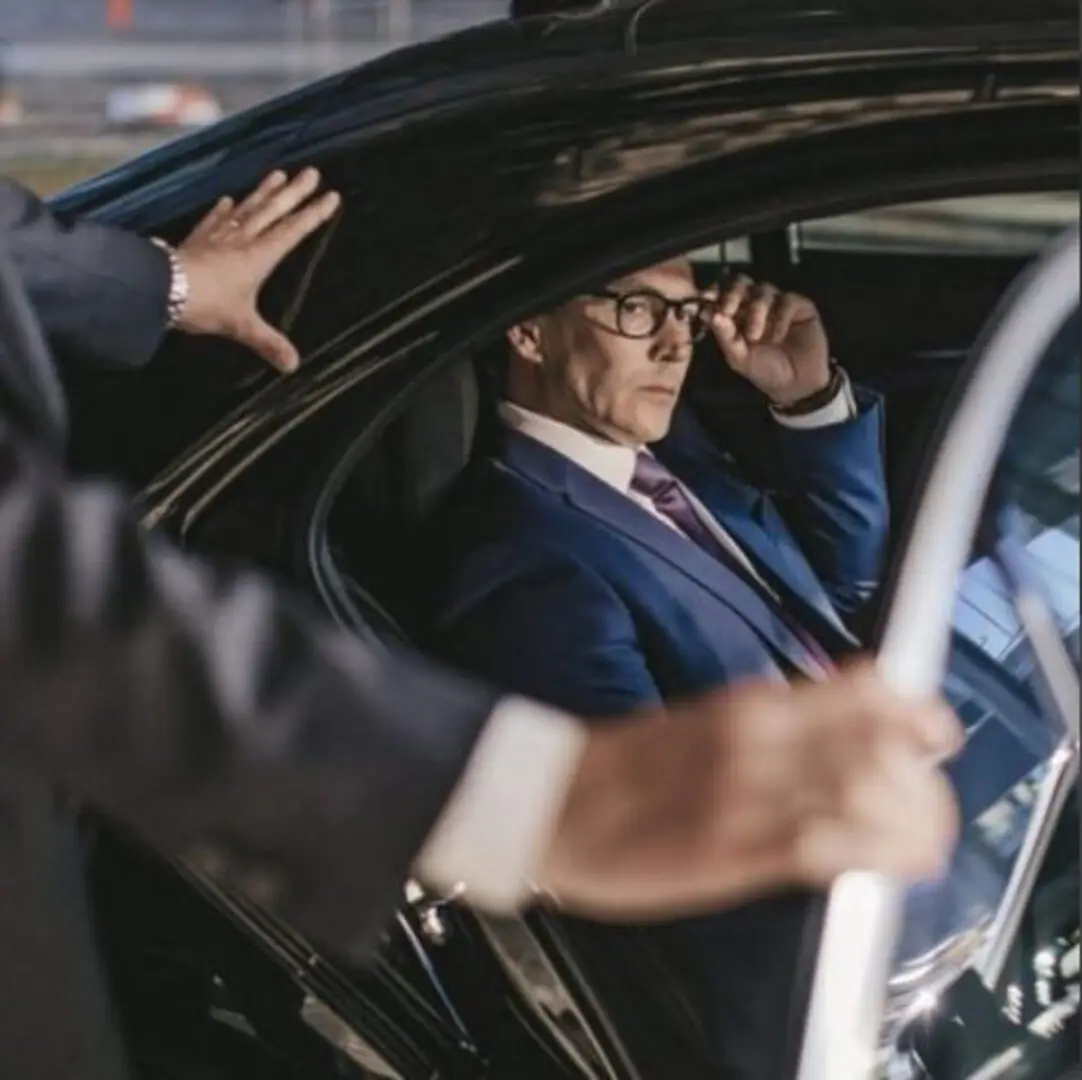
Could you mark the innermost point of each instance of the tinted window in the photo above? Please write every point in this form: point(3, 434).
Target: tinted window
point(1011, 682)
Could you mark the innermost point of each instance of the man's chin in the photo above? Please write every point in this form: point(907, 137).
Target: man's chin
point(653, 429)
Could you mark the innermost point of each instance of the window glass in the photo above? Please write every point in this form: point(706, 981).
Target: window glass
point(709, 254)
point(1007, 225)
point(1006, 683)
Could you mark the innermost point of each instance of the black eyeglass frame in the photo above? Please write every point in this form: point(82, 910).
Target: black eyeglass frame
point(695, 309)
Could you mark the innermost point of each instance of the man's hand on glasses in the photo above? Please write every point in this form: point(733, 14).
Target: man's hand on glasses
point(773, 339)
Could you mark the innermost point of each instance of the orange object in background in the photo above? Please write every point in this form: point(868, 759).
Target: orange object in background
point(118, 14)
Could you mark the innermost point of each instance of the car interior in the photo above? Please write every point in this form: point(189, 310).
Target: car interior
point(903, 292)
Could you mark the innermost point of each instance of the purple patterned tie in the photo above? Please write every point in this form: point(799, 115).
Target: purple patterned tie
point(653, 480)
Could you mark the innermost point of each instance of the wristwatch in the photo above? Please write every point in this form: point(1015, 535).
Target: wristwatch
point(821, 398)
point(179, 286)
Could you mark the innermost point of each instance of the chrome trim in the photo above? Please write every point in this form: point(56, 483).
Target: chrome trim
point(924, 981)
point(297, 958)
point(527, 965)
point(1055, 790)
point(1062, 682)
point(434, 979)
point(327, 1023)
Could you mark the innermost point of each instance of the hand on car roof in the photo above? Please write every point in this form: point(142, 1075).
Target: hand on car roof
point(231, 253)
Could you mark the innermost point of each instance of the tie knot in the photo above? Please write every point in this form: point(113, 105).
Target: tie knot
point(651, 478)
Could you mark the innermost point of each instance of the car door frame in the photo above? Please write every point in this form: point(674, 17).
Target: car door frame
point(191, 493)
point(863, 913)
point(577, 1022)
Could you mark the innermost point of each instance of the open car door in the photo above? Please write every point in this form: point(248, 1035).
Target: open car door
point(975, 976)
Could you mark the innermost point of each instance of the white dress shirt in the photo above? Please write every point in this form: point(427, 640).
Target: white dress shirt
point(491, 837)
point(614, 465)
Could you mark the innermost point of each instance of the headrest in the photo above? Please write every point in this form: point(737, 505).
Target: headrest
point(435, 437)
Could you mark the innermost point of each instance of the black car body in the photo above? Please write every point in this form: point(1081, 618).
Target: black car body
point(484, 175)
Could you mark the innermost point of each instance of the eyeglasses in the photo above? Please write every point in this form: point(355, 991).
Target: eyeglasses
point(642, 313)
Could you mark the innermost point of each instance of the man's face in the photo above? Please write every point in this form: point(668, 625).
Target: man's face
point(591, 373)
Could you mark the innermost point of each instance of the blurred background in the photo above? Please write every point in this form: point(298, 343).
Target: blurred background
point(85, 84)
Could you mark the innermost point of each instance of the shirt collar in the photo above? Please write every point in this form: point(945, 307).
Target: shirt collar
point(609, 462)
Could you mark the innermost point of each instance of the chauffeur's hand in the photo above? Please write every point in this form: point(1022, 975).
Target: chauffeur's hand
point(230, 254)
point(773, 339)
point(753, 790)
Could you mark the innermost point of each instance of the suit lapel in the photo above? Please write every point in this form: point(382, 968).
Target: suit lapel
point(616, 511)
point(732, 503)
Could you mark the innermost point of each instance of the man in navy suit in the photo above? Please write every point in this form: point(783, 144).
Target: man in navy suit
point(611, 555)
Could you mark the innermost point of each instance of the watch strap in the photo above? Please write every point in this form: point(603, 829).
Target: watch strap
point(179, 286)
point(821, 398)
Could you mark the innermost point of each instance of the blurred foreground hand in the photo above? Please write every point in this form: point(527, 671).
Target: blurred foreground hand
point(747, 791)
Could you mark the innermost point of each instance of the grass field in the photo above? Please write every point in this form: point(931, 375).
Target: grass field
point(47, 177)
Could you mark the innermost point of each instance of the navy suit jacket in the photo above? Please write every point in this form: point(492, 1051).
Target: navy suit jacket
point(553, 584)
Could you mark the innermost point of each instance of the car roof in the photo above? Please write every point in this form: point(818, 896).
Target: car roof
point(472, 142)
point(539, 52)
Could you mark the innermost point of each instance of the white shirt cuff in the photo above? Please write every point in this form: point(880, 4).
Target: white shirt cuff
point(842, 408)
point(493, 832)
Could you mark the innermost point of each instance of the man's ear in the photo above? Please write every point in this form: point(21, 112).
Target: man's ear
point(525, 341)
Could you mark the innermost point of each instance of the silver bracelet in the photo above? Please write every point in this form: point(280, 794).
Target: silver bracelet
point(179, 286)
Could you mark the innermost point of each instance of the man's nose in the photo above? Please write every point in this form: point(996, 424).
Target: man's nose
point(674, 339)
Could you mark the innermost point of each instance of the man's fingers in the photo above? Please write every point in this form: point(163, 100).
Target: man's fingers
point(782, 318)
point(733, 346)
point(915, 845)
point(759, 312)
point(281, 202)
point(271, 344)
point(858, 698)
point(929, 724)
point(891, 812)
point(270, 183)
point(213, 219)
point(228, 263)
point(734, 296)
point(289, 233)
point(935, 728)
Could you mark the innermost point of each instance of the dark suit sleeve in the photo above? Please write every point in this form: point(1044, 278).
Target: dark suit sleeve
point(837, 502)
point(217, 719)
point(554, 631)
point(830, 494)
point(100, 293)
